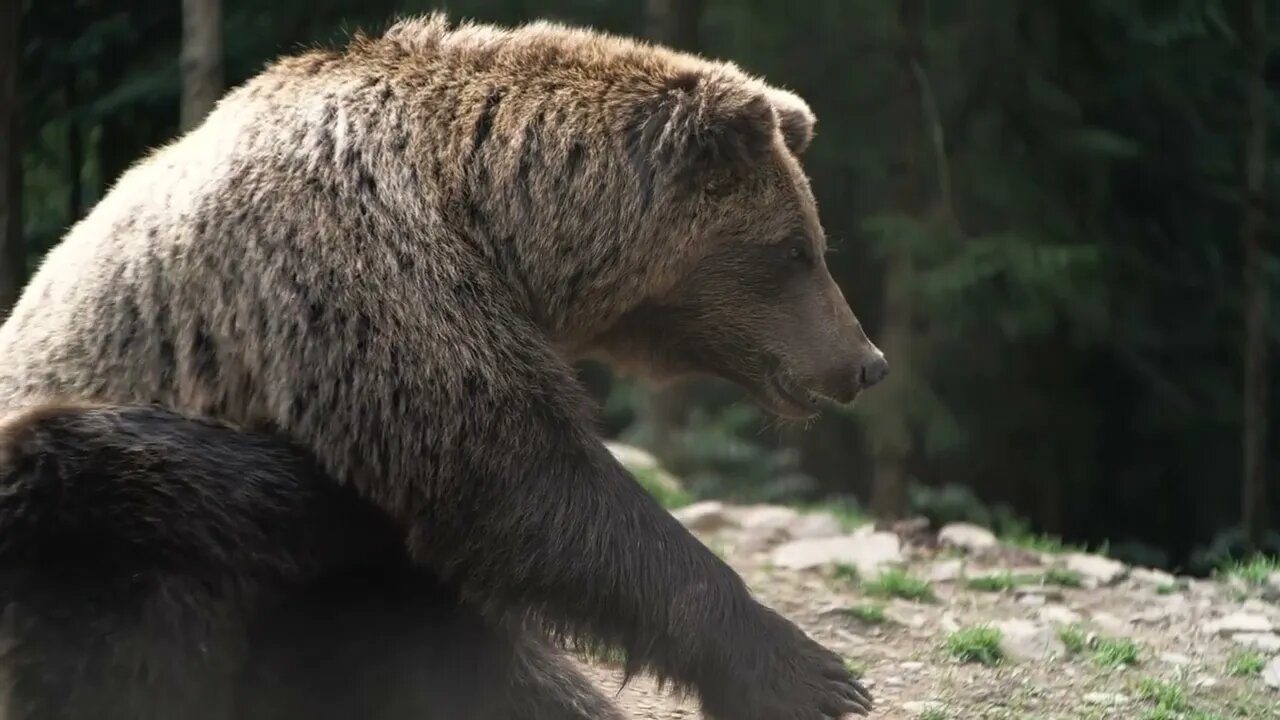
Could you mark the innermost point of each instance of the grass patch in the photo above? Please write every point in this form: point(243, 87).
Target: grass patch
point(845, 572)
point(934, 713)
point(1167, 696)
point(1166, 588)
point(897, 583)
point(867, 613)
point(976, 644)
point(849, 514)
point(1253, 571)
point(1073, 639)
point(855, 668)
point(1115, 652)
point(1246, 663)
point(1048, 544)
point(653, 481)
point(999, 582)
point(1062, 577)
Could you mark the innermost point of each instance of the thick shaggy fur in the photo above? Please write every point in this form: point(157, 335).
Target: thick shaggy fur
point(384, 260)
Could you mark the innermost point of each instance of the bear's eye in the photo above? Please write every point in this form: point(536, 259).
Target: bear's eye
point(797, 253)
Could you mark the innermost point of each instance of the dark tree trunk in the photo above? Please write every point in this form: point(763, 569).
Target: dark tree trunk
point(201, 59)
point(892, 440)
point(1255, 288)
point(75, 153)
point(675, 22)
point(13, 251)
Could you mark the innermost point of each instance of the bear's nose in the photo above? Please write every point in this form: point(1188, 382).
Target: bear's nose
point(874, 370)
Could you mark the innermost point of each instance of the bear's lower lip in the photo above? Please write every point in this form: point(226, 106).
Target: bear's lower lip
point(796, 397)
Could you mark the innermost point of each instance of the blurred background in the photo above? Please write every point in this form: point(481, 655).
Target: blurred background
point(1057, 218)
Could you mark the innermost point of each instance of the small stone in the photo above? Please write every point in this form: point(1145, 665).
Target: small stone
point(1058, 615)
point(919, 708)
point(869, 554)
point(815, 525)
point(1096, 570)
point(1024, 640)
point(766, 518)
point(1271, 673)
point(1110, 623)
point(911, 665)
point(1268, 643)
point(1151, 576)
point(1105, 699)
point(1177, 659)
point(1032, 600)
point(1239, 622)
point(966, 536)
point(946, 571)
point(1152, 615)
point(706, 516)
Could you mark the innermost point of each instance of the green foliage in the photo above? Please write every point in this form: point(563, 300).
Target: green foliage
point(976, 644)
point(845, 572)
point(669, 495)
point(1255, 570)
point(1068, 205)
point(1074, 639)
point(1168, 697)
point(1245, 663)
point(1063, 577)
point(895, 582)
point(867, 613)
point(1114, 652)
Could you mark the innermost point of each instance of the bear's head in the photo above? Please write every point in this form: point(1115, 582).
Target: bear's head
point(755, 302)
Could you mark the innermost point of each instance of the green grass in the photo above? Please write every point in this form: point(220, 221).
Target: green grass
point(976, 644)
point(855, 668)
point(1073, 639)
point(1049, 544)
point(651, 480)
point(1254, 571)
point(1063, 577)
point(849, 515)
point(1246, 663)
point(999, 582)
point(897, 583)
point(1166, 588)
point(1115, 652)
point(1006, 581)
point(1166, 695)
point(845, 572)
point(934, 713)
point(867, 613)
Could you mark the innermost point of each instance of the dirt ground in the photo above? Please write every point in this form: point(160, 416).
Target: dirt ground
point(1184, 666)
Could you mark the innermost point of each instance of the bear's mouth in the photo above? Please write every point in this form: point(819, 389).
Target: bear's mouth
point(788, 399)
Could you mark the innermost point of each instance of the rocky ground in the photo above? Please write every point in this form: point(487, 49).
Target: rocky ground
point(956, 624)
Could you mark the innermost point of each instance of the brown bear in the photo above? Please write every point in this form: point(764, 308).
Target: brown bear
point(292, 429)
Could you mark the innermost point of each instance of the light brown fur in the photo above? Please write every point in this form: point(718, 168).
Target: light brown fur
point(392, 254)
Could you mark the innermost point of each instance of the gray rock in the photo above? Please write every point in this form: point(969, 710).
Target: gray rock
point(1152, 577)
point(1239, 622)
point(765, 518)
point(1271, 673)
point(869, 553)
point(815, 525)
point(1058, 615)
point(1026, 641)
point(966, 536)
point(1268, 643)
point(920, 708)
point(1096, 570)
point(705, 516)
point(946, 571)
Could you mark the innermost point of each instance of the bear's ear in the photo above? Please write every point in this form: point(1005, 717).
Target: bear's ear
point(701, 123)
point(795, 119)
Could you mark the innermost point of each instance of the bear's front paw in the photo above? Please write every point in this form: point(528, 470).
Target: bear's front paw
point(782, 674)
